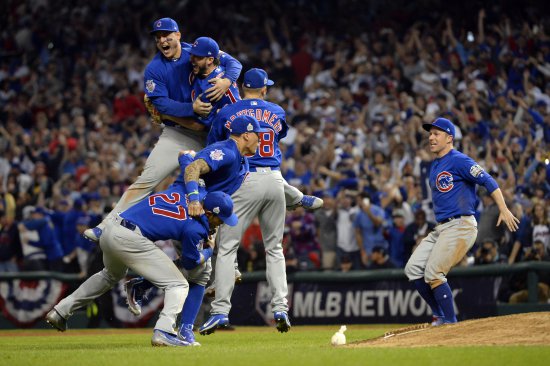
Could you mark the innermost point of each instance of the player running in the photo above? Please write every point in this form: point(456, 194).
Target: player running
point(453, 178)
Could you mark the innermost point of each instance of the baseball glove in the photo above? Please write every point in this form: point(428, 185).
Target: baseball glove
point(157, 118)
point(155, 115)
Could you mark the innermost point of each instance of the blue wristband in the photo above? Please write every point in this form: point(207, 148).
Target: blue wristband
point(192, 189)
point(207, 253)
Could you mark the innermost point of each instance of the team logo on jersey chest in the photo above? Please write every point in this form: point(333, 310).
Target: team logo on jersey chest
point(150, 86)
point(217, 155)
point(444, 182)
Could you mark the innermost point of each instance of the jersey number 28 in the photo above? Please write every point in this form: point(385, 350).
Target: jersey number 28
point(178, 212)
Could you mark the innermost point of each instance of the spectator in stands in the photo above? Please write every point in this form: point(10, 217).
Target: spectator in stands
point(303, 240)
point(488, 253)
point(380, 259)
point(541, 225)
point(40, 222)
point(346, 241)
point(326, 223)
point(10, 245)
point(535, 253)
point(369, 227)
point(395, 235)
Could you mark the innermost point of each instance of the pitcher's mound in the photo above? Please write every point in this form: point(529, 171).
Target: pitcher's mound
point(518, 329)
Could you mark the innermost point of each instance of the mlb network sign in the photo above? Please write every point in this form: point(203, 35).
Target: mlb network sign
point(372, 302)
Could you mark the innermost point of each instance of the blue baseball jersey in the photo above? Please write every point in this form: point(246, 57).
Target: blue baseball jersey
point(200, 85)
point(452, 180)
point(47, 237)
point(167, 82)
point(164, 216)
point(228, 168)
point(270, 116)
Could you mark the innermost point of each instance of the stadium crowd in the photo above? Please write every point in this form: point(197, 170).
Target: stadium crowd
point(357, 81)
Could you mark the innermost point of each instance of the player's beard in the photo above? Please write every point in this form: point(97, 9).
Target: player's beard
point(201, 71)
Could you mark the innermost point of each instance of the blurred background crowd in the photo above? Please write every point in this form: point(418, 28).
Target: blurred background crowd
point(357, 80)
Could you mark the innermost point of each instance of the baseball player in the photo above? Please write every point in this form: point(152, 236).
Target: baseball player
point(168, 88)
point(218, 132)
point(223, 167)
point(261, 195)
point(206, 67)
point(128, 243)
point(453, 178)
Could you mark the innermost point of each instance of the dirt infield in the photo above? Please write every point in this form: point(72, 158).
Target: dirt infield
point(519, 329)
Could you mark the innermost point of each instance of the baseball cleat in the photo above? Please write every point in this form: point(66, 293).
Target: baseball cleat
point(55, 319)
point(307, 202)
point(311, 202)
point(93, 234)
point(281, 321)
point(134, 295)
point(162, 339)
point(214, 322)
point(186, 334)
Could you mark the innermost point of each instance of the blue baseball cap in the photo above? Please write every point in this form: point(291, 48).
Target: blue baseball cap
point(244, 124)
point(204, 47)
point(222, 206)
point(443, 124)
point(256, 79)
point(165, 24)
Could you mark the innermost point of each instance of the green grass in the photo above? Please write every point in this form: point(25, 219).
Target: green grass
point(246, 346)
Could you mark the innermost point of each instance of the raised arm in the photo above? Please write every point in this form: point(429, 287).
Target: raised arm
point(481, 26)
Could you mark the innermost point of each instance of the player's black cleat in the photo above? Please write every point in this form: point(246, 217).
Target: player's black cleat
point(281, 321)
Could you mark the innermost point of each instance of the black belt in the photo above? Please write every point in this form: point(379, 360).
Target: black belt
point(128, 225)
point(449, 219)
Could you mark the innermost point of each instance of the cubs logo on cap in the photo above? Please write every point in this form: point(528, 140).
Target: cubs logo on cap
point(204, 47)
point(256, 79)
point(165, 24)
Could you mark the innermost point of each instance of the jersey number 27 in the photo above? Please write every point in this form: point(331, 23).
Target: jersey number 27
point(178, 212)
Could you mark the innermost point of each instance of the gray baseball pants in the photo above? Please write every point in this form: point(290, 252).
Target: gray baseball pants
point(442, 249)
point(261, 195)
point(123, 249)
